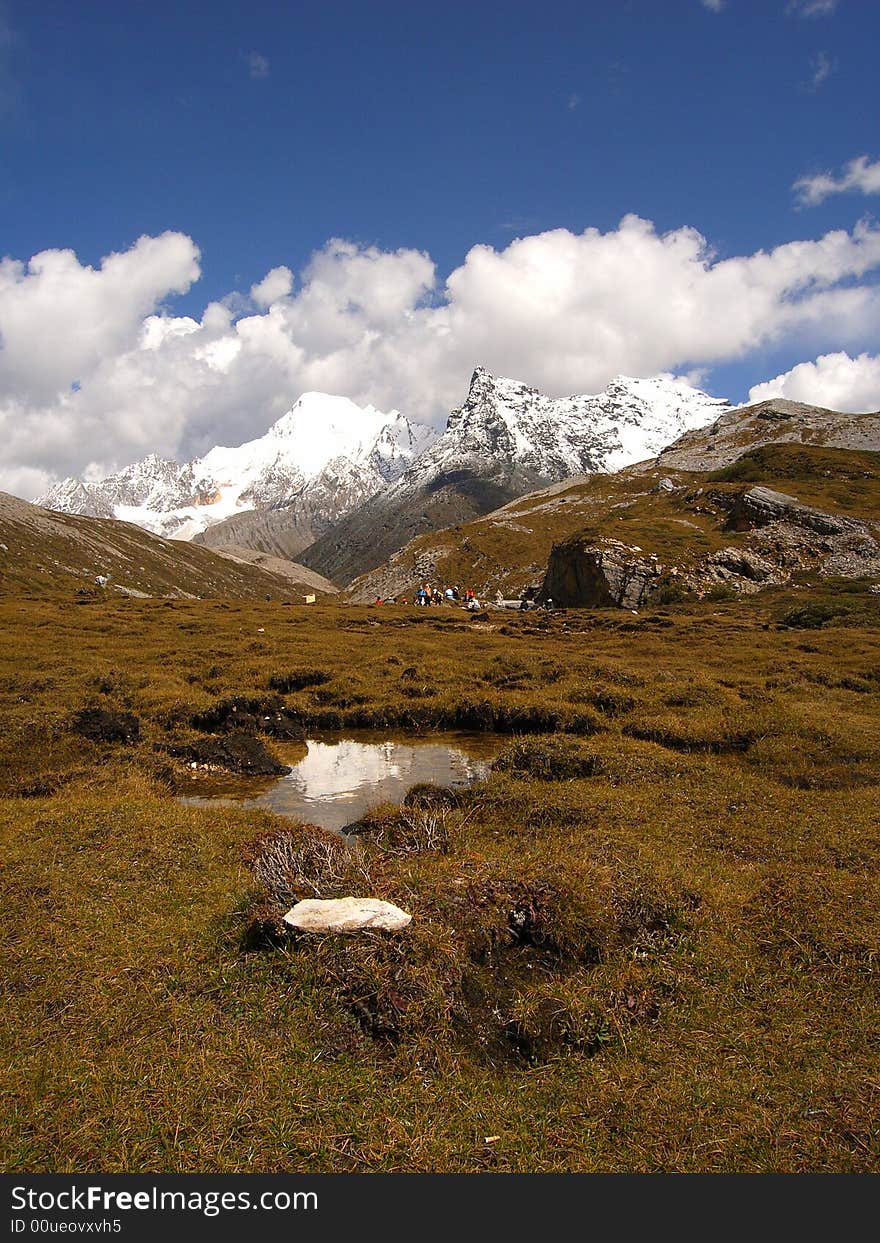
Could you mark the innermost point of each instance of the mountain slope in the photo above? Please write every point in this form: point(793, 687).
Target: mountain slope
point(324, 456)
point(505, 440)
point(661, 531)
point(769, 422)
point(45, 552)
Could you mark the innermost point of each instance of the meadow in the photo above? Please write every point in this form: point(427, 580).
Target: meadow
point(650, 941)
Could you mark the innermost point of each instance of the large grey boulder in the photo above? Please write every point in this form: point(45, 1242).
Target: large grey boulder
point(760, 506)
point(582, 573)
point(346, 915)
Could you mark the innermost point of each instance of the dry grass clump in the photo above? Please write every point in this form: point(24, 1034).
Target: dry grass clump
point(411, 829)
point(431, 818)
point(306, 862)
point(585, 1015)
point(481, 962)
point(818, 923)
point(604, 699)
point(714, 731)
point(546, 760)
point(298, 680)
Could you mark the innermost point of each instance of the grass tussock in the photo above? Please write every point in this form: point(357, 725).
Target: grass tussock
point(486, 953)
point(547, 760)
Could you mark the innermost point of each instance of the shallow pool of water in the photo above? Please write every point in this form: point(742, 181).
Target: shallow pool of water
point(335, 779)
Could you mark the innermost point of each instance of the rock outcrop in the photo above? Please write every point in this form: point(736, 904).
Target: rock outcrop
point(760, 506)
point(584, 574)
point(775, 535)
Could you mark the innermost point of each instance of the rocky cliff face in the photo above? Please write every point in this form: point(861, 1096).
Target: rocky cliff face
point(583, 574)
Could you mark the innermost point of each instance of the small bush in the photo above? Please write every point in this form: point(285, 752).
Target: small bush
point(670, 591)
point(812, 616)
point(721, 592)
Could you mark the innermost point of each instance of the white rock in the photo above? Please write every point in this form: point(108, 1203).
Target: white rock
point(346, 915)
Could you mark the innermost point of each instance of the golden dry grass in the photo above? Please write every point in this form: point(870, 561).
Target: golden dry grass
point(648, 942)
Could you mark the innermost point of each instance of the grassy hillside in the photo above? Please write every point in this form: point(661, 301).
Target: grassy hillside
point(507, 550)
point(44, 553)
point(648, 942)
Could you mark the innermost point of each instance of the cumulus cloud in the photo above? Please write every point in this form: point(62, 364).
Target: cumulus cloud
point(96, 371)
point(274, 285)
point(714, 6)
point(833, 380)
point(60, 318)
point(859, 175)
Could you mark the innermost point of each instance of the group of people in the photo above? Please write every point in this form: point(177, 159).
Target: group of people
point(428, 595)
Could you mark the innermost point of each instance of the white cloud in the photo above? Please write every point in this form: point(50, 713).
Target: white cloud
point(274, 285)
point(59, 319)
point(560, 310)
point(811, 8)
point(258, 65)
point(822, 66)
point(573, 101)
point(833, 380)
point(714, 6)
point(859, 175)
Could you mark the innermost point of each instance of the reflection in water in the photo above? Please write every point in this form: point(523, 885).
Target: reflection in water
point(337, 780)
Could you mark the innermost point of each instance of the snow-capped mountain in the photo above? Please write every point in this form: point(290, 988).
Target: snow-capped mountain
point(327, 454)
point(353, 484)
point(504, 440)
point(506, 422)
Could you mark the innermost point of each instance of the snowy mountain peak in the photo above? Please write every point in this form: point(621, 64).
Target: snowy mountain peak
point(505, 439)
point(71, 496)
point(325, 446)
point(552, 437)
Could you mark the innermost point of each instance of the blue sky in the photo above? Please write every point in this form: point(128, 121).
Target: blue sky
point(261, 130)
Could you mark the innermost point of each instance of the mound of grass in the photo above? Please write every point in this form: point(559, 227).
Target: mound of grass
point(817, 613)
point(547, 760)
point(797, 461)
point(298, 680)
